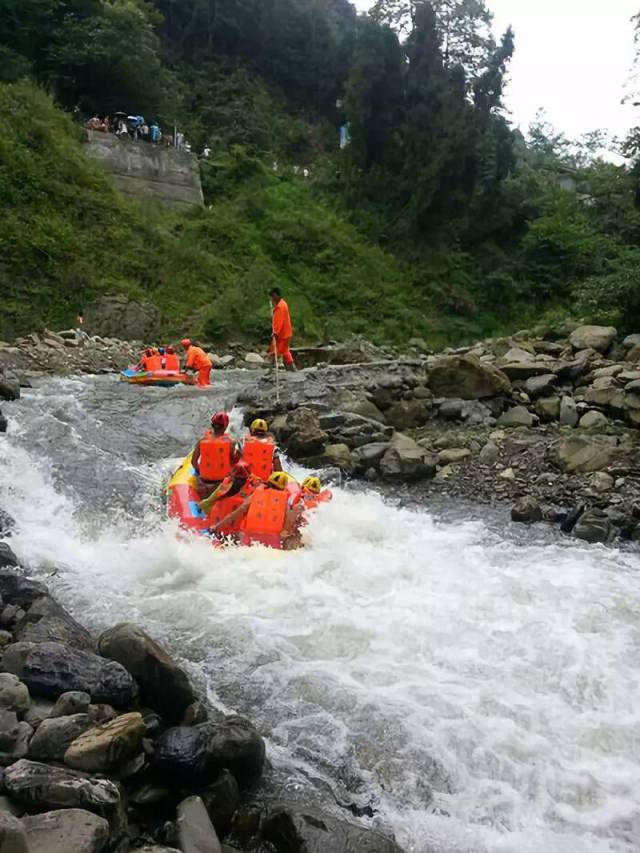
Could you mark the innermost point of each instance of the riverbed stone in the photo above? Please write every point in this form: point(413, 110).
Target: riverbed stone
point(338, 456)
point(607, 393)
point(526, 511)
point(290, 829)
point(14, 695)
point(107, 747)
point(14, 738)
point(548, 408)
point(466, 377)
point(489, 454)
point(73, 702)
point(66, 831)
point(43, 786)
point(17, 589)
point(593, 420)
point(7, 556)
point(582, 454)
point(306, 438)
point(13, 838)
point(9, 390)
point(48, 621)
point(516, 417)
point(599, 338)
point(601, 482)
point(568, 412)
point(195, 830)
point(594, 527)
point(221, 799)
point(49, 669)
point(453, 455)
point(54, 736)
point(406, 460)
point(164, 685)
point(198, 754)
point(540, 386)
point(369, 455)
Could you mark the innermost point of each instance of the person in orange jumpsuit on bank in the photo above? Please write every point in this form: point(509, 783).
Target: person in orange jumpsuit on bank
point(282, 329)
point(198, 360)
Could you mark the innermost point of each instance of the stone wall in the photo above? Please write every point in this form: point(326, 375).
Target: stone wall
point(144, 171)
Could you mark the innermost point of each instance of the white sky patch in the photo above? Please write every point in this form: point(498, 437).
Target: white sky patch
point(573, 59)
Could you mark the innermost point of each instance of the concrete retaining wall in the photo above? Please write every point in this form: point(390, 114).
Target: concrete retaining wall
point(144, 171)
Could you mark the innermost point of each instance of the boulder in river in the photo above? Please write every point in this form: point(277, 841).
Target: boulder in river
point(466, 377)
point(594, 526)
point(48, 621)
point(526, 511)
point(195, 830)
point(15, 588)
point(406, 460)
point(14, 695)
point(568, 412)
point(9, 389)
point(516, 417)
point(581, 454)
point(66, 831)
point(49, 669)
point(198, 754)
point(290, 829)
point(7, 557)
point(306, 437)
point(164, 686)
point(55, 735)
point(41, 786)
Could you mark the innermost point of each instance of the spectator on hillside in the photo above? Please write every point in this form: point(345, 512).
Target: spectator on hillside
point(144, 132)
point(122, 130)
point(206, 152)
point(155, 133)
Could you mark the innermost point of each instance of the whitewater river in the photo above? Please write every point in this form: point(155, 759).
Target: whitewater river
point(404, 651)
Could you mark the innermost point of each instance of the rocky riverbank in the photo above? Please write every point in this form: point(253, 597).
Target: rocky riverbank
point(546, 422)
point(107, 748)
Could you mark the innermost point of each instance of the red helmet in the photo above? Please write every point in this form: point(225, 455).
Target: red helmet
point(186, 343)
point(220, 420)
point(148, 352)
point(241, 471)
point(170, 351)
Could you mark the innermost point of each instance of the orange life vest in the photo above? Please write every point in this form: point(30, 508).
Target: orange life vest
point(225, 506)
point(215, 456)
point(265, 519)
point(258, 454)
point(172, 361)
point(153, 362)
point(312, 500)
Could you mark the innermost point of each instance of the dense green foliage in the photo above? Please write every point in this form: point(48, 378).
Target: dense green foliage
point(438, 218)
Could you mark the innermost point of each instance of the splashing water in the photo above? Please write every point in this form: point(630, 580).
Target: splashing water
point(480, 690)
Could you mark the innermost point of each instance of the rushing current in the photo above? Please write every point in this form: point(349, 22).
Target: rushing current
point(475, 685)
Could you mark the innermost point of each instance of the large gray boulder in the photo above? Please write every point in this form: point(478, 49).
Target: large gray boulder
point(594, 526)
point(518, 416)
point(65, 831)
point(164, 686)
point(41, 786)
point(408, 414)
point(599, 338)
point(292, 830)
point(607, 393)
point(568, 412)
point(539, 386)
point(369, 455)
point(54, 736)
point(14, 738)
point(47, 621)
point(9, 390)
point(582, 454)
point(122, 318)
point(49, 669)
point(195, 830)
point(196, 755)
point(406, 460)
point(306, 437)
point(466, 377)
point(14, 695)
point(15, 588)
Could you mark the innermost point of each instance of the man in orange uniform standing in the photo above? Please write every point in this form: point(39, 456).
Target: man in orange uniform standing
point(198, 360)
point(282, 329)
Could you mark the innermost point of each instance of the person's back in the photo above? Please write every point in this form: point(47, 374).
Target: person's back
point(259, 450)
point(172, 360)
point(154, 362)
point(214, 455)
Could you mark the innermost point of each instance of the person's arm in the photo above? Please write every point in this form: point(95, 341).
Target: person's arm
point(238, 513)
point(195, 458)
point(278, 321)
point(277, 462)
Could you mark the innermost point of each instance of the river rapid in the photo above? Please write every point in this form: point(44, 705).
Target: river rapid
point(478, 686)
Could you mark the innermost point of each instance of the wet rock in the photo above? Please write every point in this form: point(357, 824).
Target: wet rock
point(13, 838)
point(599, 338)
point(516, 417)
point(54, 736)
point(7, 523)
point(195, 830)
point(73, 702)
point(594, 526)
point(7, 557)
point(254, 358)
point(406, 460)
point(607, 393)
point(4, 423)
point(601, 482)
point(521, 370)
point(489, 454)
point(10, 808)
point(221, 799)
point(548, 409)
point(526, 511)
point(47, 621)
point(14, 695)
point(69, 829)
point(292, 830)
point(451, 410)
point(338, 456)
point(6, 638)
point(453, 455)
point(593, 420)
point(369, 455)
point(39, 710)
point(355, 430)
point(466, 377)
point(9, 390)
point(49, 669)
point(306, 437)
point(42, 786)
point(17, 589)
point(163, 685)
point(357, 405)
point(582, 454)
point(107, 747)
point(199, 754)
point(540, 386)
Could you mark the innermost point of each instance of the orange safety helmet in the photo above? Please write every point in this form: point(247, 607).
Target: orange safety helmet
point(186, 343)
